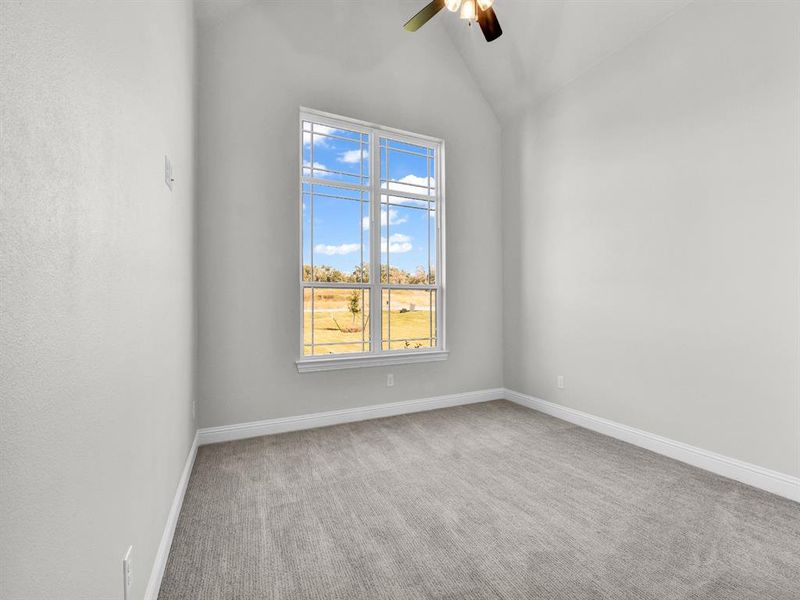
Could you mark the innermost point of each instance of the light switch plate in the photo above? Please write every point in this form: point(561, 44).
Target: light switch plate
point(168, 179)
point(127, 574)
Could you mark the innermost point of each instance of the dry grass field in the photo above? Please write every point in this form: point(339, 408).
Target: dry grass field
point(409, 320)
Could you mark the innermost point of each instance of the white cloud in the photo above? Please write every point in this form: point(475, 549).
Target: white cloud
point(393, 218)
point(334, 250)
point(319, 128)
point(318, 140)
point(317, 165)
point(397, 244)
point(410, 184)
point(352, 156)
point(415, 180)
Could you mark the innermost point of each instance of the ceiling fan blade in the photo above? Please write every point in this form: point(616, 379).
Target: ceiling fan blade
point(490, 26)
point(423, 16)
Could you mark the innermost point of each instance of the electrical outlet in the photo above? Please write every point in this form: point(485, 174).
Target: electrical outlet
point(560, 382)
point(390, 380)
point(127, 573)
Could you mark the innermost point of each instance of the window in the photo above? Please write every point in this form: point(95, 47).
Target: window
point(372, 266)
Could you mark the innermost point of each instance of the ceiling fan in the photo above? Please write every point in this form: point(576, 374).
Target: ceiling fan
point(471, 10)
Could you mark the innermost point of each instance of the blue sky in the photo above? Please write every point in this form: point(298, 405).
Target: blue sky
point(341, 223)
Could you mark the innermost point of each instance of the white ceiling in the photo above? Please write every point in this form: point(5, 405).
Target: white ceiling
point(545, 43)
point(548, 43)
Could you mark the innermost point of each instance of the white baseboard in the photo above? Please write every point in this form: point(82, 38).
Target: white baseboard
point(160, 563)
point(753, 475)
point(226, 433)
point(758, 477)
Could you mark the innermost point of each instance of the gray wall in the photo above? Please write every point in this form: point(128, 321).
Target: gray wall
point(651, 235)
point(257, 66)
point(96, 322)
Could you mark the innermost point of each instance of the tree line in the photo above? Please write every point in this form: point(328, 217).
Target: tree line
point(360, 274)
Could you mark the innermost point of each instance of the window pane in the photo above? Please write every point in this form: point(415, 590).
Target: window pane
point(405, 243)
point(307, 241)
point(335, 241)
point(335, 321)
point(308, 320)
point(335, 154)
point(408, 319)
point(432, 245)
point(407, 168)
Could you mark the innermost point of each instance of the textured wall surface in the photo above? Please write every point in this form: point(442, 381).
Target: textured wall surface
point(257, 66)
point(96, 278)
point(651, 235)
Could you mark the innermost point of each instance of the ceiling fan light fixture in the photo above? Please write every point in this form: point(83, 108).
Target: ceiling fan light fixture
point(468, 12)
point(472, 11)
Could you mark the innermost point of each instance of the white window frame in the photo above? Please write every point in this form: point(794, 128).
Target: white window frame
point(376, 356)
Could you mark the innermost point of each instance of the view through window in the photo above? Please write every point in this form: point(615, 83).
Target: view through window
point(371, 235)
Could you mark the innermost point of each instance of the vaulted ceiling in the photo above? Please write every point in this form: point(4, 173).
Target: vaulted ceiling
point(548, 43)
point(545, 43)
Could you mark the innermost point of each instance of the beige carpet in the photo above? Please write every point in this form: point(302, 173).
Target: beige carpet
point(484, 501)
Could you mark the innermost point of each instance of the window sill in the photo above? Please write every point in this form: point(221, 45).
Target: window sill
point(324, 363)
